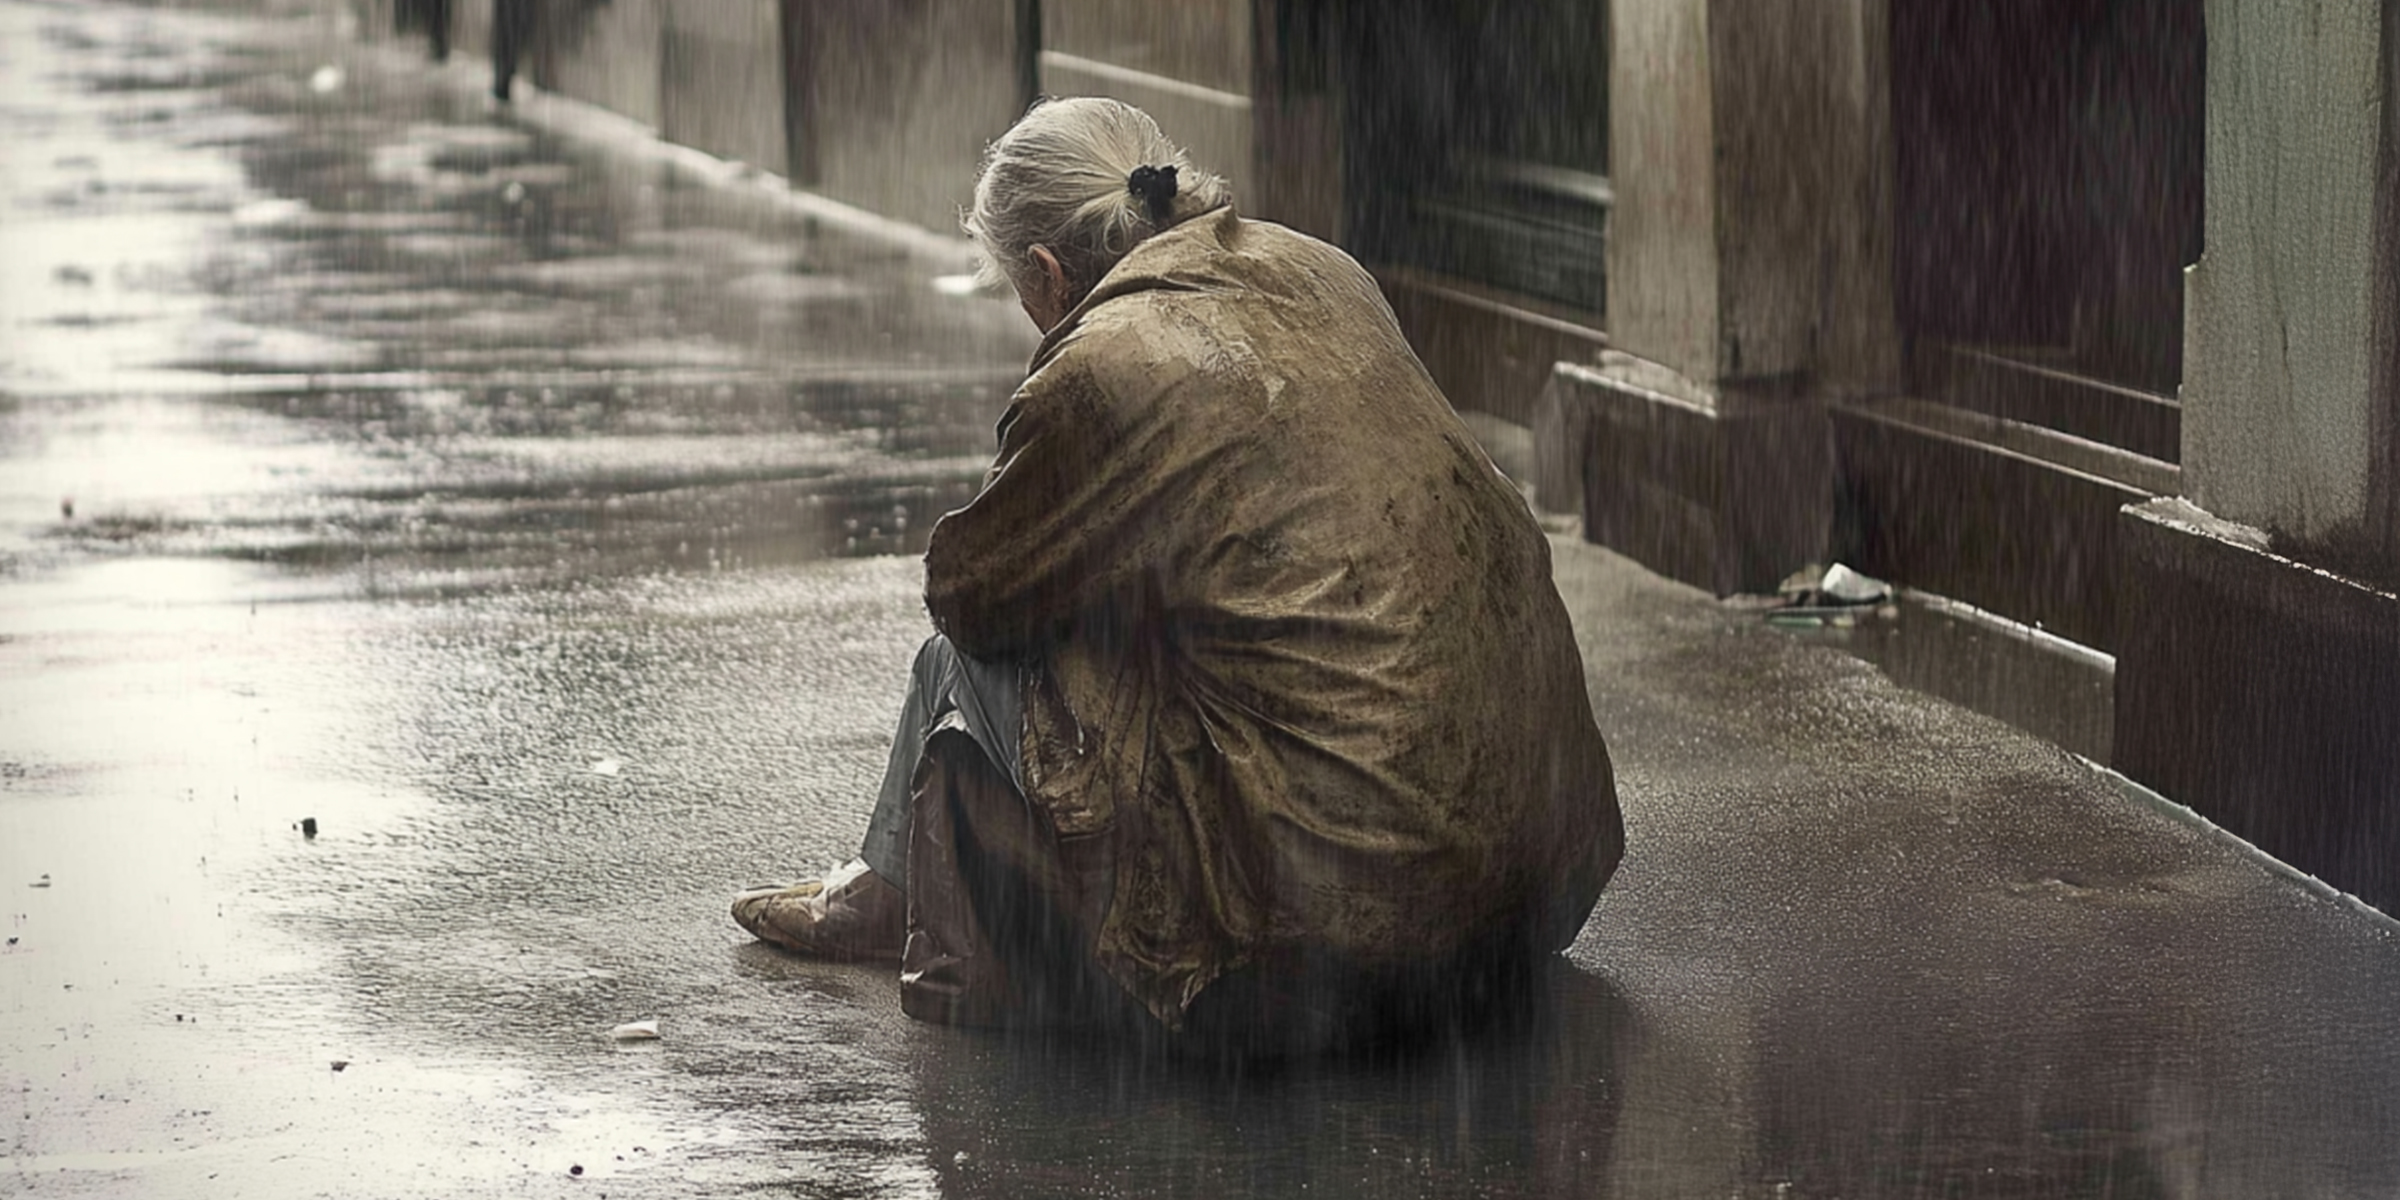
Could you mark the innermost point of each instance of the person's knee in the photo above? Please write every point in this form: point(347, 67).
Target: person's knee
point(934, 658)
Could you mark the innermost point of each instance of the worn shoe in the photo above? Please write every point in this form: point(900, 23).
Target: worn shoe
point(851, 914)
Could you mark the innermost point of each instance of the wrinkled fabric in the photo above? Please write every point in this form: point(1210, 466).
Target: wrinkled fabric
point(1292, 642)
point(988, 699)
point(999, 920)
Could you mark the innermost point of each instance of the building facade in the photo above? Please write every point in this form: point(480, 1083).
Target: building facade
point(2082, 312)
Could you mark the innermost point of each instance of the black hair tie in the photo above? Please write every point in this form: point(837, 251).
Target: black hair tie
point(1156, 187)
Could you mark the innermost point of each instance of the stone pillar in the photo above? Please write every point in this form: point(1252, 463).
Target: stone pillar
point(2288, 368)
point(1749, 280)
point(2258, 676)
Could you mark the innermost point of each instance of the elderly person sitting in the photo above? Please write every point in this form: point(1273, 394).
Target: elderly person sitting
point(1254, 715)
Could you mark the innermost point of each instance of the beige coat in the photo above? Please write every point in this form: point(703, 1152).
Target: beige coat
point(1301, 659)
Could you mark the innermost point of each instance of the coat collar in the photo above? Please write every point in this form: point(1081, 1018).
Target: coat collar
point(1162, 260)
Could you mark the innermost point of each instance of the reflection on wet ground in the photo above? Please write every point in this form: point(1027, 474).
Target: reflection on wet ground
point(408, 328)
point(532, 518)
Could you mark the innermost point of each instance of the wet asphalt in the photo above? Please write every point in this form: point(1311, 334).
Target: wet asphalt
point(535, 515)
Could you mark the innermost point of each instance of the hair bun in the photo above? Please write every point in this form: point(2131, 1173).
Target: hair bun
point(1156, 187)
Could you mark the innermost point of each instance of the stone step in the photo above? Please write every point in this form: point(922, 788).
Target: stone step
point(2013, 518)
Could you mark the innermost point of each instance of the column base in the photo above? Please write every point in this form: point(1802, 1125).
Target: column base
point(1724, 491)
point(2264, 693)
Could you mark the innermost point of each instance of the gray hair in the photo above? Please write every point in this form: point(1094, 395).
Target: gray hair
point(1058, 179)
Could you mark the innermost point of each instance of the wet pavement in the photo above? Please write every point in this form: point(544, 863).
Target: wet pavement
point(535, 517)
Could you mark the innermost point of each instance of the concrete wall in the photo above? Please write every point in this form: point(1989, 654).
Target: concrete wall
point(2289, 389)
point(605, 52)
point(1204, 42)
point(2262, 692)
point(721, 79)
point(1212, 126)
point(888, 104)
point(900, 97)
point(1187, 64)
point(1296, 127)
point(2259, 667)
point(471, 27)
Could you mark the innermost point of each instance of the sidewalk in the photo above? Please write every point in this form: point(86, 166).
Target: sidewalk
point(1909, 947)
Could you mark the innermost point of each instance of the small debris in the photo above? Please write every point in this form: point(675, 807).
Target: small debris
point(577, 1169)
point(954, 285)
point(44, 881)
point(607, 766)
point(272, 211)
point(66, 507)
point(1849, 587)
point(12, 941)
point(636, 1031)
point(1835, 597)
point(514, 193)
point(328, 78)
point(340, 1065)
point(308, 827)
point(72, 274)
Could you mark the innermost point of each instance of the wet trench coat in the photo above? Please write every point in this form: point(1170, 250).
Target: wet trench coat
point(1297, 650)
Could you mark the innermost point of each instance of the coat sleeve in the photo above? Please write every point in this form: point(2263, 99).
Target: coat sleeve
point(1070, 517)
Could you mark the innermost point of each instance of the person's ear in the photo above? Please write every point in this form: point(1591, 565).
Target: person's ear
point(1054, 276)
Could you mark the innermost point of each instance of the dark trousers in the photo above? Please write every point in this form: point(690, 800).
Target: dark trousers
point(1004, 916)
point(1004, 913)
point(512, 36)
point(984, 700)
point(430, 16)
